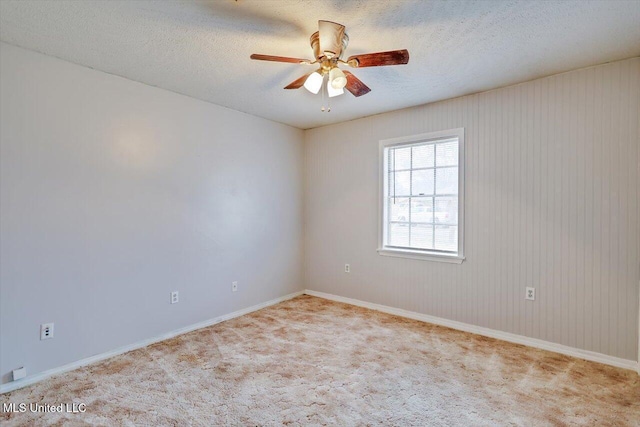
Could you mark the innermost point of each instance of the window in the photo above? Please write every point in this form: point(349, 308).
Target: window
point(421, 192)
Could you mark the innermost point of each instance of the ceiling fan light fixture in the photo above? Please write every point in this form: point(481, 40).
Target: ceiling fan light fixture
point(337, 79)
point(314, 82)
point(334, 91)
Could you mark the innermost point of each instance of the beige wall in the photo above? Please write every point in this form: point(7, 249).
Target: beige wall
point(551, 186)
point(114, 193)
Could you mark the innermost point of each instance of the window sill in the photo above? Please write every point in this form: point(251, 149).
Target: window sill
point(425, 256)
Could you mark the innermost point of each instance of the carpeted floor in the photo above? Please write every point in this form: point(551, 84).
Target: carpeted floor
point(310, 361)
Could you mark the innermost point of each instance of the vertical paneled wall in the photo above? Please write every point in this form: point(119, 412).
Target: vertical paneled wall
point(552, 178)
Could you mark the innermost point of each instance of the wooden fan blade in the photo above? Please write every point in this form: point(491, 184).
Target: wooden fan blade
point(355, 86)
point(392, 57)
point(297, 84)
point(279, 59)
point(331, 34)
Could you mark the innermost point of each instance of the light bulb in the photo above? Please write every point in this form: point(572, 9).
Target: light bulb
point(337, 78)
point(313, 82)
point(333, 91)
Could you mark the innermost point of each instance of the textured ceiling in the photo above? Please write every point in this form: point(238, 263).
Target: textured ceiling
point(201, 48)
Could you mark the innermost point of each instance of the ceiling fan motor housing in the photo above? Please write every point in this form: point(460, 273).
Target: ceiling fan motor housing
point(315, 45)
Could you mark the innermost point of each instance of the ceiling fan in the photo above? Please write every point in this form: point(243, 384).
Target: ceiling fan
point(328, 44)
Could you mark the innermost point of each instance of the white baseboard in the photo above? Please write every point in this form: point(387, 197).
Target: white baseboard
point(505, 336)
point(492, 333)
point(32, 379)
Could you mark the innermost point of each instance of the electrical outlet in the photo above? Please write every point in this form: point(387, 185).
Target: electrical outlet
point(46, 331)
point(175, 297)
point(347, 268)
point(234, 286)
point(530, 294)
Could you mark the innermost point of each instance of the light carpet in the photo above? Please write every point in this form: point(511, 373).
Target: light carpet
point(309, 361)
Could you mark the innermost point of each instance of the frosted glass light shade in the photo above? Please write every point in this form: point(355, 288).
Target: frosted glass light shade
point(313, 82)
point(337, 78)
point(333, 91)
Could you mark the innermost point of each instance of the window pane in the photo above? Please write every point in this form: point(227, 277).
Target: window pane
point(447, 237)
point(401, 181)
point(400, 158)
point(422, 209)
point(447, 154)
point(399, 235)
point(423, 156)
point(447, 181)
point(421, 204)
point(447, 210)
point(422, 236)
point(422, 182)
point(399, 211)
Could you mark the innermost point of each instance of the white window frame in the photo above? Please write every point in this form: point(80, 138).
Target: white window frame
point(426, 254)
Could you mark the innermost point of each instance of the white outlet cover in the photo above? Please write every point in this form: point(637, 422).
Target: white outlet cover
point(234, 286)
point(174, 297)
point(530, 293)
point(347, 268)
point(46, 331)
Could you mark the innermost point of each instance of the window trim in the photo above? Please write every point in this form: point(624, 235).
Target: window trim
point(382, 223)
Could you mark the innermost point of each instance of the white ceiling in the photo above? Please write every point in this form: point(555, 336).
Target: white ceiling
point(201, 48)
